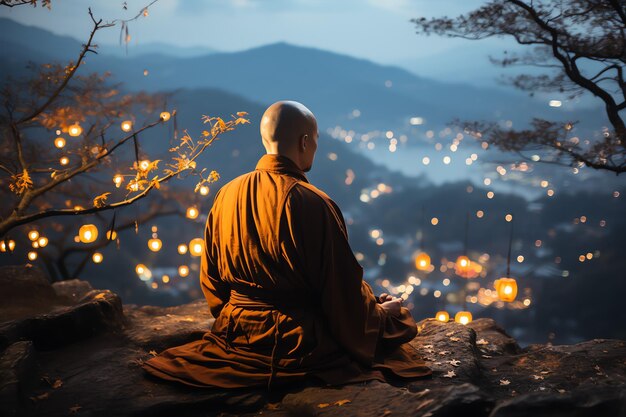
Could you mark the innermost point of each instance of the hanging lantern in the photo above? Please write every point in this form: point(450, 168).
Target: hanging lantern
point(442, 316)
point(165, 116)
point(463, 317)
point(59, 142)
point(143, 272)
point(74, 130)
point(88, 233)
point(43, 241)
point(126, 125)
point(182, 249)
point(462, 266)
point(97, 257)
point(109, 237)
point(33, 235)
point(118, 180)
point(204, 190)
point(64, 160)
point(35, 244)
point(165, 279)
point(155, 244)
point(422, 261)
point(4, 245)
point(506, 289)
point(196, 246)
point(183, 270)
point(192, 213)
point(32, 255)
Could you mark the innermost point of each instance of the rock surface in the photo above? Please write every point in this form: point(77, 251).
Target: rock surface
point(82, 356)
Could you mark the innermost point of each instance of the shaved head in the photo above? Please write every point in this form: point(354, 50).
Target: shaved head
point(288, 128)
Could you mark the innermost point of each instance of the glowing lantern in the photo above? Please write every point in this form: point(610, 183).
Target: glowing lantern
point(183, 270)
point(88, 233)
point(43, 241)
point(165, 116)
point(59, 142)
point(192, 212)
point(97, 257)
point(4, 245)
point(165, 279)
point(33, 235)
point(506, 289)
point(118, 179)
point(196, 246)
point(109, 237)
point(35, 244)
point(182, 249)
point(144, 273)
point(144, 164)
point(64, 160)
point(126, 125)
point(422, 261)
point(463, 317)
point(442, 316)
point(462, 265)
point(204, 190)
point(75, 130)
point(155, 244)
point(32, 255)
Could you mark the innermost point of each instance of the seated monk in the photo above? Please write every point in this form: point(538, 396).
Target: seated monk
point(286, 291)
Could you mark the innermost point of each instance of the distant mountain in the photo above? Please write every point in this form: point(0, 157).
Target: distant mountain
point(155, 48)
point(332, 85)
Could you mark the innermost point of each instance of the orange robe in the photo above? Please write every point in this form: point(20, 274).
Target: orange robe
point(287, 293)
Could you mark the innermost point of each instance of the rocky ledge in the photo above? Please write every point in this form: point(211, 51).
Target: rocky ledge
point(67, 349)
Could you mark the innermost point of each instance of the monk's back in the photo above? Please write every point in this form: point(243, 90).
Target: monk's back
point(246, 221)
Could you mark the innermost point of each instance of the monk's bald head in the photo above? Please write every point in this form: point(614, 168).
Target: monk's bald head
point(287, 128)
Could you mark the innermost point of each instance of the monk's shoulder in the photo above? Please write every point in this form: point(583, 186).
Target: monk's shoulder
point(302, 195)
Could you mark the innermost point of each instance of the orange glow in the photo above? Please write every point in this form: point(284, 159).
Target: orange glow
point(422, 261)
point(442, 316)
point(126, 125)
point(506, 288)
point(155, 244)
point(196, 246)
point(74, 130)
point(463, 317)
point(88, 233)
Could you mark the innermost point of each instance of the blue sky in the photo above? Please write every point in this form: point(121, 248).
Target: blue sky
point(378, 30)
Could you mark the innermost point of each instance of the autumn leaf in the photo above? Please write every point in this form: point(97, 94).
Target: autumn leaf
point(482, 342)
point(450, 374)
point(242, 113)
point(342, 402)
point(323, 405)
point(153, 352)
point(454, 362)
point(57, 383)
point(99, 296)
point(504, 382)
point(100, 200)
point(40, 397)
point(272, 406)
point(21, 182)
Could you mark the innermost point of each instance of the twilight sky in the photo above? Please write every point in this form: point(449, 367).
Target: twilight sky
point(378, 30)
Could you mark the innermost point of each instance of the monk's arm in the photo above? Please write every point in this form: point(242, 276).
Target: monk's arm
point(216, 291)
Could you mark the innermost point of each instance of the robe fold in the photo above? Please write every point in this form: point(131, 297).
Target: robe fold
point(287, 293)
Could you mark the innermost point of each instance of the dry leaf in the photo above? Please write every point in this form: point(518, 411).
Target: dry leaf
point(482, 342)
point(450, 374)
point(450, 333)
point(537, 377)
point(40, 397)
point(274, 406)
point(153, 352)
point(504, 382)
point(386, 413)
point(561, 391)
point(427, 347)
point(323, 405)
point(100, 296)
point(444, 352)
point(454, 362)
point(455, 339)
point(342, 402)
point(57, 384)
point(100, 200)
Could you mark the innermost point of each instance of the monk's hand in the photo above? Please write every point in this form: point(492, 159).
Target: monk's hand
point(393, 306)
point(384, 297)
